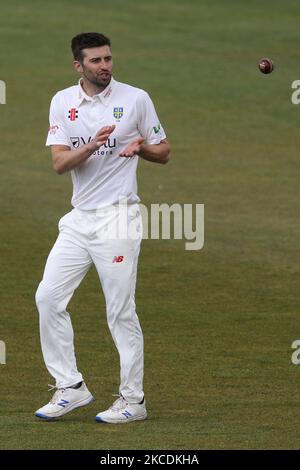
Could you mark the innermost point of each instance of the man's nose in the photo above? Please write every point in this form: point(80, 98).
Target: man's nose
point(103, 66)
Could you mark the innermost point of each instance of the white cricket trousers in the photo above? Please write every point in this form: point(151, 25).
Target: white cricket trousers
point(99, 237)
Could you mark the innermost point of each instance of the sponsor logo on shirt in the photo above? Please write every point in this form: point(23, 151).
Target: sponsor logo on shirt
point(118, 113)
point(77, 141)
point(73, 114)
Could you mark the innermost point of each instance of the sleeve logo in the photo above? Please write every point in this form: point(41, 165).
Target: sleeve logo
point(53, 129)
point(156, 129)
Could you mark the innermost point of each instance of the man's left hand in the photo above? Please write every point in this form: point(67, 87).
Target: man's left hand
point(133, 148)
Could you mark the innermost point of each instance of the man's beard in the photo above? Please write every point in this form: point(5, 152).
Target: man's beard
point(98, 81)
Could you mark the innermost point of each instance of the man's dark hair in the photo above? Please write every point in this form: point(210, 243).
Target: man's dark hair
point(86, 41)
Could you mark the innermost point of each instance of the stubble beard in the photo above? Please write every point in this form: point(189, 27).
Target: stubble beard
point(98, 81)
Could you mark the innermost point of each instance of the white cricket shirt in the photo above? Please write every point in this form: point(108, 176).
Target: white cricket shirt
point(104, 178)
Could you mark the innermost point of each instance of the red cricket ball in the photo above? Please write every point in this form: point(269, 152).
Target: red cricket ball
point(266, 65)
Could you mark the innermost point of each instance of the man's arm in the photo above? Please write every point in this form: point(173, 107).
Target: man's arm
point(157, 153)
point(64, 159)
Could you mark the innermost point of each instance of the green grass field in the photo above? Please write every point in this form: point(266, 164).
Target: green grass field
point(218, 323)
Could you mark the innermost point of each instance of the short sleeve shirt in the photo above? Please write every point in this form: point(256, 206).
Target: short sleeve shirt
point(104, 178)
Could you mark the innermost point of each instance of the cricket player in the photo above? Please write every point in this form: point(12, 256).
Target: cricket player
point(99, 129)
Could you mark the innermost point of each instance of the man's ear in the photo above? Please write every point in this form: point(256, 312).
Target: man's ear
point(77, 66)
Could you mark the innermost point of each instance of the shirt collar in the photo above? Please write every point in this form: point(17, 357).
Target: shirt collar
point(104, 96)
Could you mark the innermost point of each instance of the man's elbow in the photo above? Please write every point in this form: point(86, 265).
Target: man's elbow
point(59, 171)
point(58, 168)
point(166, 155)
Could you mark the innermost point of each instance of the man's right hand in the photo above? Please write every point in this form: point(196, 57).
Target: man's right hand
point(100, 138)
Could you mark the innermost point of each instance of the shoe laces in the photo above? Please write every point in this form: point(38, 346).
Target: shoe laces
point(57, 395)
point(118, 404)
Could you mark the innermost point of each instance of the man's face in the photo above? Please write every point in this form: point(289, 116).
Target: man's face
point(96, 66)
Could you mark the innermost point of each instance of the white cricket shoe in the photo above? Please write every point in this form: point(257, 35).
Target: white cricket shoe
point(123, 412)
point(65, 400)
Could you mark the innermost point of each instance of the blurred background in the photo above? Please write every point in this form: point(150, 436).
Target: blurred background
point(218, 323)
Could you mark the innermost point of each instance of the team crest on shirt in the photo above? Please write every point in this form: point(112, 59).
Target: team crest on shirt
point(118, 113)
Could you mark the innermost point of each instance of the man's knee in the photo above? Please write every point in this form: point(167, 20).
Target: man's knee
point(45, 295)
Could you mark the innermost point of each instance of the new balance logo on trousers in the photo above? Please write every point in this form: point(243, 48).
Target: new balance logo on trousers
point(118, 259)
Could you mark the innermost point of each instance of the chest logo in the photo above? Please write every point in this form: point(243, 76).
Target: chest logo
point(73, 114)
point(118, 113)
